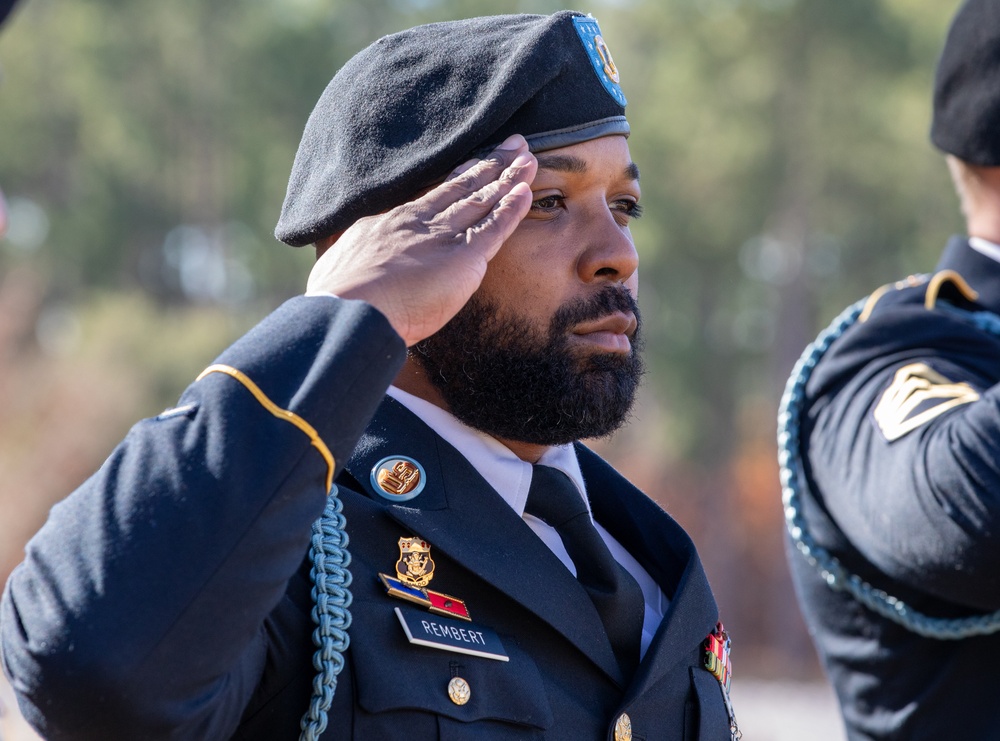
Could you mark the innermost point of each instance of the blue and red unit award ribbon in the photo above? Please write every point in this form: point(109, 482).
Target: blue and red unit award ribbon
point(414, 570)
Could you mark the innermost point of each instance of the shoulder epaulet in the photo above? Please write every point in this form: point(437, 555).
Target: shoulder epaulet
point(936, 286)
point(911, 281)
point(942, 281)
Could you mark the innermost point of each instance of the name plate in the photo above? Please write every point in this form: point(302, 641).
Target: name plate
point(452, 635)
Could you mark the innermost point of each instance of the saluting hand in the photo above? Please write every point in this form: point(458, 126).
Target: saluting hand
point(420, 262)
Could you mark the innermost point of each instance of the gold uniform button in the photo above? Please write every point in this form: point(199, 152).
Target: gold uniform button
point(460, 692)
point(623, 728)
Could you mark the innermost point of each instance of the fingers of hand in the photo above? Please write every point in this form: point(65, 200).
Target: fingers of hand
point(464, 167)
point(470, 209)
point(471, 176)
point(491, 232)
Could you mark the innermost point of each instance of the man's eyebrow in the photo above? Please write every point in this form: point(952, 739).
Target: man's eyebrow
point(571, 164)
point(561, 163)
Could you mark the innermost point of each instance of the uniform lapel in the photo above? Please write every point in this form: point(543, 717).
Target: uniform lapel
point(461, 515)
point(667, 553)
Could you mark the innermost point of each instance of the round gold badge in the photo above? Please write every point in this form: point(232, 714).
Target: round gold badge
point(398, 478)
point(623, 728)
point(459, 691)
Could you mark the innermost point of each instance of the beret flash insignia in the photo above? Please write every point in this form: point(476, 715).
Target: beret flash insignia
point(600, 56)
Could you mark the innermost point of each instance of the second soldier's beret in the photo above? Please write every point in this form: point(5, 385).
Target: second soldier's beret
point(406, 110)
point(5, 8)
point(967, 86)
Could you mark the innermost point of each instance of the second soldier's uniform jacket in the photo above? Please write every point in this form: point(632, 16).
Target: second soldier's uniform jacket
point(901, 442)
point(169, 596)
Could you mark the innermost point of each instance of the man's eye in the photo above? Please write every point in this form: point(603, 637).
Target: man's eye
point(547, 203)
point(628, 207)
point(624, 210)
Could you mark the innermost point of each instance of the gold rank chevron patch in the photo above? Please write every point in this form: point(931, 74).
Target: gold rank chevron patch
point(918, 394)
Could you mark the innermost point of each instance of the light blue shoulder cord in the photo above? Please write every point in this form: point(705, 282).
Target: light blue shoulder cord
point(793, 484)
point(331, 598)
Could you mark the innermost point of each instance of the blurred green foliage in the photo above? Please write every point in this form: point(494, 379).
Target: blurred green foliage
point(786, 168)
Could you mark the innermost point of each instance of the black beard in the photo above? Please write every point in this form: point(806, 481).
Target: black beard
point(502, 376)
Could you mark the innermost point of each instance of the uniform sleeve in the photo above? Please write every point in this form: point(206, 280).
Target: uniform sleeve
point(138, 610)
point(904, 452)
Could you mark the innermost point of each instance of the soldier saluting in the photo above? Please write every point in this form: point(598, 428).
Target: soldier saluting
point(471, 316)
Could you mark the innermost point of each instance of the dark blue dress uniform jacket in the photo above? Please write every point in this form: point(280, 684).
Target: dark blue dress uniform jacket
point(169, 596)
point(917, 516)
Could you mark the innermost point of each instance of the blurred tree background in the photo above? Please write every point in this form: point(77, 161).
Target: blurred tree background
point(145, 147)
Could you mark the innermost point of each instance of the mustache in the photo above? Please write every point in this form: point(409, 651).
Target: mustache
point(610, 300)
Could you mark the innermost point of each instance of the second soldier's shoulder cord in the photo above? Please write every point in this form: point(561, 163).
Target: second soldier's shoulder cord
point(793, 484)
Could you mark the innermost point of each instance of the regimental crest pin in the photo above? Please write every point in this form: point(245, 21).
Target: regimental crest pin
point(398, 478)
point(415, 566)
point(414, 571)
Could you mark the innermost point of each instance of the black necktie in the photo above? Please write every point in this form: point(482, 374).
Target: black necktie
point(616, 595)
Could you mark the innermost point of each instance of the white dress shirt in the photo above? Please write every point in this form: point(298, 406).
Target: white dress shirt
point(985, 247)
point(510, 477)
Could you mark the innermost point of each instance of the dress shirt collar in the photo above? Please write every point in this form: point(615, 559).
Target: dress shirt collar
point(496, 463)
point(985, 247)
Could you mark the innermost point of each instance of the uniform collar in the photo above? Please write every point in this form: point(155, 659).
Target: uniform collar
point(985, 247)
point(980, 271)
point(494, 461)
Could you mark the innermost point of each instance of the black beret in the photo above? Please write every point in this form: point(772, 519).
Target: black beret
point(5, 8)
point(967, 86)
point(406, 110)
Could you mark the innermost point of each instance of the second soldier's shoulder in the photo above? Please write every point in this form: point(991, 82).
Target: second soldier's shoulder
point(908, 292)
point(927, 291)
point(916, 315)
